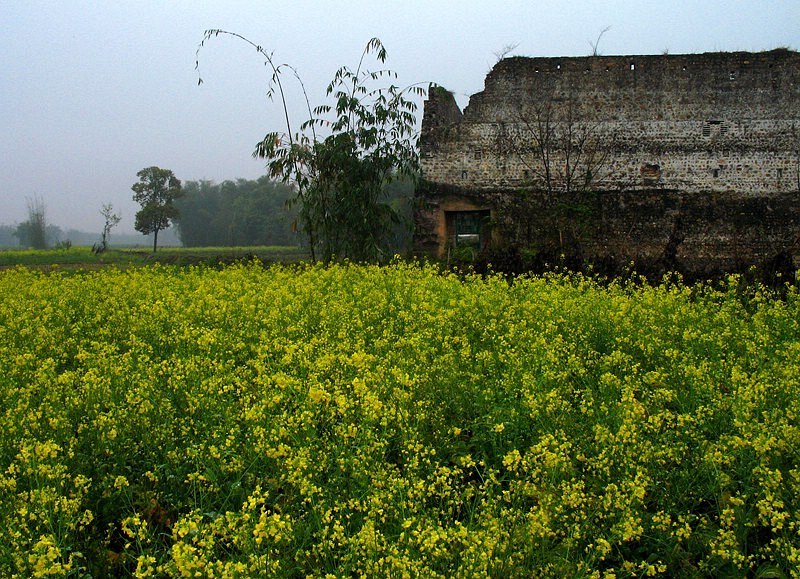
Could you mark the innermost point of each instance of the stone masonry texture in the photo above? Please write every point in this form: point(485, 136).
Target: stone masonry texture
point(690, 161)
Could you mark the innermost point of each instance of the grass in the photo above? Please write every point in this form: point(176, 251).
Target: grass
point(393, 421)
point(84, 257)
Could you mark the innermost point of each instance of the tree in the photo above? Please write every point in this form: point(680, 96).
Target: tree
point(565, 155)
point(341, 179)
point(156, 192)
point(111, 220)
point(240, 212)
point(7, 235)
point(33, 232)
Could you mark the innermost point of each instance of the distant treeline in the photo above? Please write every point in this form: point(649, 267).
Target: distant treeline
point(231, 213)
point(249, 213)
point(18, 235)
point(235, 213)
point(12, 236)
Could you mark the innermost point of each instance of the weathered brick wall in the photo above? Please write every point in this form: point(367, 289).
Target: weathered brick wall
point(691, 156)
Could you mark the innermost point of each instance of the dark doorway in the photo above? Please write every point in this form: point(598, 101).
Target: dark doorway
point(468, 228)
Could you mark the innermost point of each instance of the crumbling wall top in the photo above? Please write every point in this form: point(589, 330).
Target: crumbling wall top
point(441, 111)
point(639, 86)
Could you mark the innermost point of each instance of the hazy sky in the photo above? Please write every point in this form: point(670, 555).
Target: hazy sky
point(92, 92)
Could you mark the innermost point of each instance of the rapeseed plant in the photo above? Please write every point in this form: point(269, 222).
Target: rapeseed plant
point(394, 421)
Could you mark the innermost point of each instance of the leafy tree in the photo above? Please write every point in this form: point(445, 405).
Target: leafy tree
point(8, 236)
point(241, 212)
point(33, 232)
point(341, 179)
point(198, 208)
point(23, 234)
point(54, 235)
point(156, 192)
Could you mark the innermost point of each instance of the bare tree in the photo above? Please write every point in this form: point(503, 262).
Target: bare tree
point(563, 154)
point(565, 157)
point(505, 51)
point(111, 220)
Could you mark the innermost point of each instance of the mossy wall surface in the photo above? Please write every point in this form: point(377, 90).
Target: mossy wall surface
point(696, 156)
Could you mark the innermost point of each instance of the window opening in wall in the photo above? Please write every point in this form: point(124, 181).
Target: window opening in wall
point(651, 173)
point(780, 174)
point(633, 66)
point(468, 228)
point(714, 127)
point(478, 155)
point(715, 172)
point(464, 174)
point(732, 76)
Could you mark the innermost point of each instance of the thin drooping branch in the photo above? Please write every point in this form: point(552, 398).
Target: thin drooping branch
point(276, 69)
point(340, 178)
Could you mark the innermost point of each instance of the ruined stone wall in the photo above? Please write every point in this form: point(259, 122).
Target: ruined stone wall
point(696, 151)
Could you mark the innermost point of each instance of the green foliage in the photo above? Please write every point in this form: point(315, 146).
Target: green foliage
point(85, 257)
point(29, 235)
point(156, 192)
point(8, 236)
point(23, 234)
point(238, 212)
point(341, 178)
point(33, 232)
point(382, 422)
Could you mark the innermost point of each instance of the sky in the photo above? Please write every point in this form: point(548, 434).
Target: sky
point(91, 92)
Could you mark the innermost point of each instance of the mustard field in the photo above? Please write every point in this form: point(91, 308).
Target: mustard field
point(394, 422)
